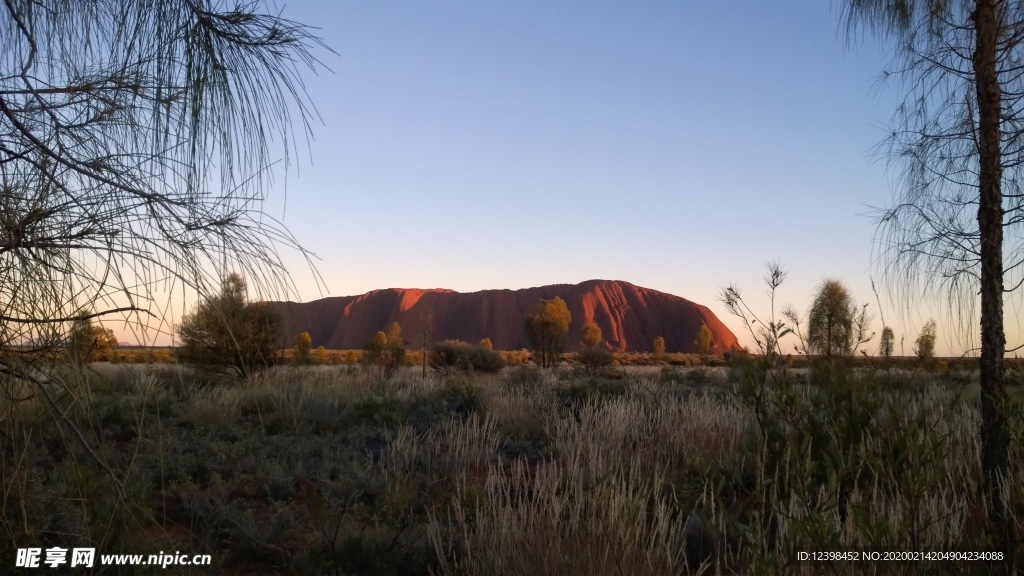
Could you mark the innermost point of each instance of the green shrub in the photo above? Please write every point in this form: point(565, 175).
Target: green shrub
point(594, 358)
point(89, 342)
point(485, 360)
point(668, 374)
point(460, 397)
point(698, 376)
point(453, 355)
point(378, 409)
point(227, 332)
point(573, 395)
point(530, 442)
point(575, 392)
point(524, 378)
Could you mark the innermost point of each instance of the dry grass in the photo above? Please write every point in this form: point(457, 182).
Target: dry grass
point(337, 470)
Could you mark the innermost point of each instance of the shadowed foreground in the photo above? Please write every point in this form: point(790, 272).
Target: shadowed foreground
point(338, 470)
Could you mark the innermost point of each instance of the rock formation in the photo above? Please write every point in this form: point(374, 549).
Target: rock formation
point(630, 317)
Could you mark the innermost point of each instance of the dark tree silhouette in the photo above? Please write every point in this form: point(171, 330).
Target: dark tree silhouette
point(136, 139)
point(135, 144)
point(957, 138)
point(228, 332)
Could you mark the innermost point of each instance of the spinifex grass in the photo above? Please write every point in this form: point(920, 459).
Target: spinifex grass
point(337, 470)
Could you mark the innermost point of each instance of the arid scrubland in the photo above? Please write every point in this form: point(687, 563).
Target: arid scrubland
point(341, 470)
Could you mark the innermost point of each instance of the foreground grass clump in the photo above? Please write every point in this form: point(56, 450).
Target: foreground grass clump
point(339, 470)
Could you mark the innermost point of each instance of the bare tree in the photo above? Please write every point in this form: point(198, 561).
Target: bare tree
point(958, 140)
point(136, 139)
point(768, 334)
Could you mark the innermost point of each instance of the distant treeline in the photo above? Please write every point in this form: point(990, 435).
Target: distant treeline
point(325, 357)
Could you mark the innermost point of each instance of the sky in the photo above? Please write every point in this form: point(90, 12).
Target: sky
point(675, 145)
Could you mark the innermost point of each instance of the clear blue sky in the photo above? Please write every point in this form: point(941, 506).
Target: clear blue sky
point(675, 145)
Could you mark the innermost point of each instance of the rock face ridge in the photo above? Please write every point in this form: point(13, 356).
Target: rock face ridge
point(630, 316)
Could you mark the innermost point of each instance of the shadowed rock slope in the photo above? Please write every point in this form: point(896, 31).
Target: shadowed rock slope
point(630, 317)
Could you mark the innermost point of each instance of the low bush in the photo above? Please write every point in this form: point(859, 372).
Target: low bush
point(453, 355)
point(460, 397)
point(515, 357)
point(595, 358)
point(340, 471)
point(525, 378)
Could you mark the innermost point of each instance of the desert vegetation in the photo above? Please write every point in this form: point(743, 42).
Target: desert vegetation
point(727, 466)
point(281, 458)
point(684, 464)
point(386, 350)
point(349, 470)
point(88, 342)
point(229, 333)
point(547, 328)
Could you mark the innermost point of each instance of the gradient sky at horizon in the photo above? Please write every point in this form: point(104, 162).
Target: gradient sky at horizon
point(675, 145)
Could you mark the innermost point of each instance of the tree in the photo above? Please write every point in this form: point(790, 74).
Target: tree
point(485, 343)
point(659, 347)
point(90, 343)
point(703, 342)
point(386, 350)
point(301, 348)
point(319, 356)
point(962, 179)
point(426, 331)
point(594, 356)
point(395, 348)
point(836, 326)
point(830, 323)
point(135, 146)
point(376, 349)
point(926, 342)
point(547, 328)
point(591, 336)
point(886, 345)
point(229, 333)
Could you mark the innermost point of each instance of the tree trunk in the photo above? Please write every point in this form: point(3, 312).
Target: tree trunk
point(994, 437)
